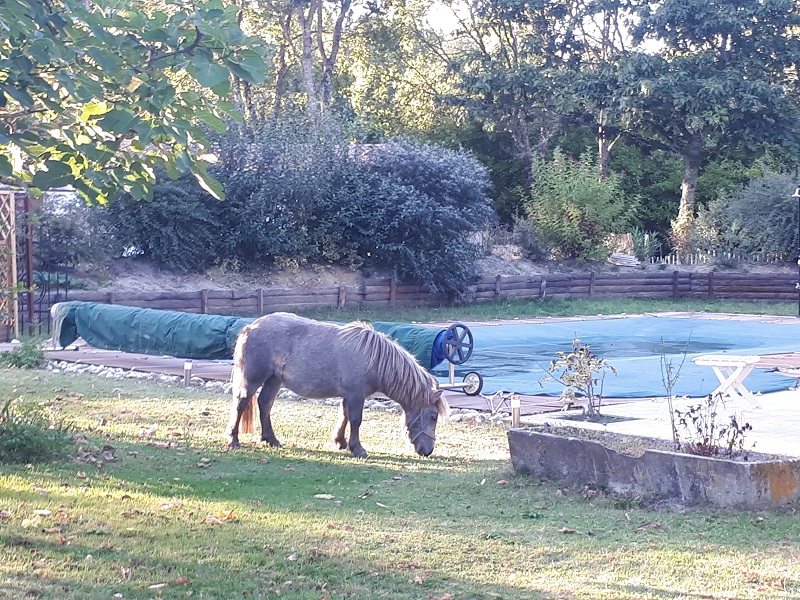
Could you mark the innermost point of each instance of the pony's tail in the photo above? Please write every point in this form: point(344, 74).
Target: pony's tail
point(248, 417)
point(239, 391)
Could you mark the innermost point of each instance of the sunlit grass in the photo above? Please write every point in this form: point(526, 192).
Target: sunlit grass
point(518, 309)
point(307, 521)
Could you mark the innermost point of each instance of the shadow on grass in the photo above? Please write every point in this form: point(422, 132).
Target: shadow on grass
point(389, 526)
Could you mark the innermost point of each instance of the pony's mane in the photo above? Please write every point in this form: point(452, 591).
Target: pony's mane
point(404, 380)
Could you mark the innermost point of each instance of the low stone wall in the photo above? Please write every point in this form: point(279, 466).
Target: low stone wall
point(656, 474)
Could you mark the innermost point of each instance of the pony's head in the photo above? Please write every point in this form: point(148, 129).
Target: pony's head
point(421, 424)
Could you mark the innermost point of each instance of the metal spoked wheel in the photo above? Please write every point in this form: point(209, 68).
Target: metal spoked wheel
point(458, 343)
point(473, 383)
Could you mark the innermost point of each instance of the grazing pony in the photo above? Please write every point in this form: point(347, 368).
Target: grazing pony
point(321, 360)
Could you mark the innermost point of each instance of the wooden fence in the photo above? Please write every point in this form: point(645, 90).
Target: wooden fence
point(373, 293)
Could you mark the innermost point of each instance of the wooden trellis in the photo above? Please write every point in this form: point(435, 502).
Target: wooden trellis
point(9, 307)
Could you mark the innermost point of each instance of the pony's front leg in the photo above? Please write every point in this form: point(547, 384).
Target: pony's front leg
point(265, 401)
point(355, 409)
point(337, 435)
point(237, 410)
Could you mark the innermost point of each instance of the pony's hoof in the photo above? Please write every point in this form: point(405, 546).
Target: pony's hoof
point(359, 453)
point(341, 444)
point(235, 444)
point(273, 443)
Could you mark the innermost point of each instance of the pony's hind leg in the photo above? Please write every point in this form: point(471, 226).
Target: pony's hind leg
point(354, 408)
point(265, 401)
point(238, 407)
point(337, 435)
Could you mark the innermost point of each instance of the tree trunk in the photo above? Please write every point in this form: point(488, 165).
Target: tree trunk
point(683, 224)
point(307, 61)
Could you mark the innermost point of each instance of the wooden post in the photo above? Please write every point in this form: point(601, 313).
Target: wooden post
point(392, 291)
point(674, 285)
point(260, 301)
point(591, 284)
point(711, 284)
point(203, 302)
point(543, 287)
point(342, 296)
point(497, 281)
point(111, 297)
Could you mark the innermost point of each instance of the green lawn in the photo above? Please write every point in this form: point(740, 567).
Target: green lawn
point(518, 309)
point(156, 506)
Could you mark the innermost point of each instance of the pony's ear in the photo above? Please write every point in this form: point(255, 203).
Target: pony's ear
point(441, 403)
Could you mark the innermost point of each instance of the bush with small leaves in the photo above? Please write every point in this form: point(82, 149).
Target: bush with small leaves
point(28, 355)
point(27, 435)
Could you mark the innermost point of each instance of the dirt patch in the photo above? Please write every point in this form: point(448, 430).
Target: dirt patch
point(139, 275)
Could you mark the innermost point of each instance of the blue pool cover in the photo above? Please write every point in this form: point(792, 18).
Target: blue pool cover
point(515, 357)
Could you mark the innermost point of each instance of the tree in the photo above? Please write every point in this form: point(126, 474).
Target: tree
point(721, 81)
point(513, 65)
point(98, 94)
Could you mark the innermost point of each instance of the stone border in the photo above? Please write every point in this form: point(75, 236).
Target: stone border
point(656, 474)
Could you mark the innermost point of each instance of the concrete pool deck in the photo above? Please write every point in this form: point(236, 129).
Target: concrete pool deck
point(775, 420)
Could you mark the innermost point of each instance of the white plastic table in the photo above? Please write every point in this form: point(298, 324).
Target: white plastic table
point(731, 370)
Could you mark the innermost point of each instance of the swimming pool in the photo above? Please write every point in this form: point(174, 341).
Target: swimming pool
point(515, 356)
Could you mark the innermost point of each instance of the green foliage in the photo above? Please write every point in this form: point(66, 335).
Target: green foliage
point(655, 177)
point(181, 228)
point(577, 371)
point(530, 242)
point(99, 94)
point(66, 232)
point(27, 435)
point(28, 355)
point(646, 244)
point(758, 217)
point(574, 210)
point(426, 203)
point(297, 195)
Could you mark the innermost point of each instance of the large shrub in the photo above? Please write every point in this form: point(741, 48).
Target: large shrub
point(575, 211)
point(427, 202)
point(286, 188)
point(295, 194)
point(759, 216)
point(180, 229)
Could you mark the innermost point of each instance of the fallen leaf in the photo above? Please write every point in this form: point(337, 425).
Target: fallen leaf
point(324, 496)
point(52, 530)
point(381, 505)
point(157, 586)
point(223, 516)
point(288, 468)
point(27, 523)
point(126, 572)
point(566, 530)
point(81, 474)
point(348, 527)
point(292, 557)
point(43, 512)
point(183, 580)
point(418, 580)
point(502, 482)
point(5, 514)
